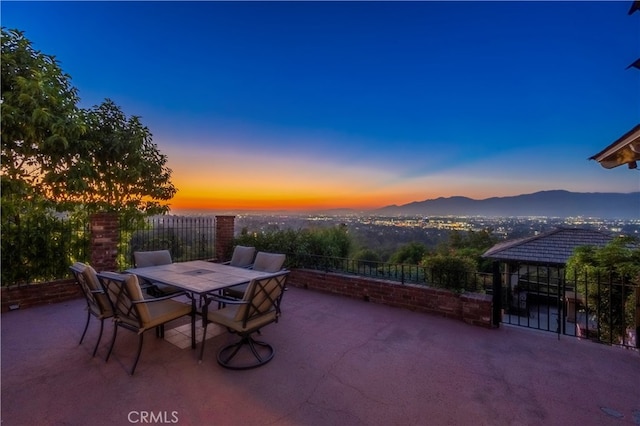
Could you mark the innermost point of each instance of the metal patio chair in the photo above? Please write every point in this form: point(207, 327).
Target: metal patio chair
point(242, 257)
point(143, 259)
point(265, 262)
point(259, 307)
point(134, 312)
point(98, 304)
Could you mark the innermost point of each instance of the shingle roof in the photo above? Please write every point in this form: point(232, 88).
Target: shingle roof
point(553, 247)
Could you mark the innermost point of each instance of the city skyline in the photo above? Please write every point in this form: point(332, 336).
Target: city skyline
point(321, 105)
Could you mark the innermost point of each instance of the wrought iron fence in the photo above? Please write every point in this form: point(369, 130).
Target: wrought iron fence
point(186, 238)
point(596, 307)
point(40, 248)
point(402, 273)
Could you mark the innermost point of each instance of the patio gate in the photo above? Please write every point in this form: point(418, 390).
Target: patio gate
point(543, 298)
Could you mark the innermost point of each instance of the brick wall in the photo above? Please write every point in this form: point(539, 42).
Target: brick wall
point(22, 297)
point(225, 228)
point(104, 251)
point(104, 241)
point(472, 308)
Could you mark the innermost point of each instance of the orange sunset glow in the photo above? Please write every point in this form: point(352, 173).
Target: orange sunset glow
point(233, 180)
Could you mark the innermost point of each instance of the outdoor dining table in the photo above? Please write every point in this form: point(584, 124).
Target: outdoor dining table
point(199, 279)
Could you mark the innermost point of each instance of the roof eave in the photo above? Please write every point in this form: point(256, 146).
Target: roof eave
point(625, 150)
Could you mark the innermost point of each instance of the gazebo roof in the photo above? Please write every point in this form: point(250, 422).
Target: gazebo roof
point(625, 150)
point(552, 247)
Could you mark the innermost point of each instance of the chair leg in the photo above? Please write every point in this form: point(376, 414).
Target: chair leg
point(99, 337)
point(113, 340)
point(236, 347)
point(253, 349)
point(204, 339)
point(233, 349)
point(86, 326)
point(138, 354)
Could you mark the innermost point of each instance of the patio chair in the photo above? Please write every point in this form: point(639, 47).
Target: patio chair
point(135, 313)
point(265, 262)
point(242, 256)
point(143, 259)
point(259, 307)
point(98, 304)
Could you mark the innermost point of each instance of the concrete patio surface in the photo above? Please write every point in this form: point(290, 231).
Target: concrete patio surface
point(338, 361)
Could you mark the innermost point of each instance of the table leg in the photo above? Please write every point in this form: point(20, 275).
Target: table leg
point(205, 321)
point(193, 321)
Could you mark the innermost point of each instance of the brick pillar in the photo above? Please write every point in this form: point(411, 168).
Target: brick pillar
point(104, 241)
point(225, 227)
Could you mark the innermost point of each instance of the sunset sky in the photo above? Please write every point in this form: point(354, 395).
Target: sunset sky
point(317, 105)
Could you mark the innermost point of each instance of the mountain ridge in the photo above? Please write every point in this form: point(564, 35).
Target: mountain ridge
point(550, 203)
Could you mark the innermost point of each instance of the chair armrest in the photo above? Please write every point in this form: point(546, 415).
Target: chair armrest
point(144, 283)
point(227, 300)
point(158, 299)
point(244, 267)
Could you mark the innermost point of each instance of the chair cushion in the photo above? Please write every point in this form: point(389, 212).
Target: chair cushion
point(227, 317)
point(152, 314)
point(133, 287)
point(268, 262)
point(164, 311)
point(91, 279)
point(242, 256)
point(152, 258)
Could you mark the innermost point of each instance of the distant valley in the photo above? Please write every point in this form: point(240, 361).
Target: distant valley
point(557, 203)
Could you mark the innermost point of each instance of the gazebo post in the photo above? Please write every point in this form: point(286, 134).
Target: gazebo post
point(497, 294)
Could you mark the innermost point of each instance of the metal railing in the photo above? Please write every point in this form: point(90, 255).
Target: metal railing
point(600, 308)
point(402, 273)
point(41, 248)
point(41, 251)
point(186, 238)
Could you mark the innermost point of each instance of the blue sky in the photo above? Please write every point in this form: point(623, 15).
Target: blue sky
point(358, 104)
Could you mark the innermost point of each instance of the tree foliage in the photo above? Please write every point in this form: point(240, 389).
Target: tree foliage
point(607, 276)
point(40, 120)
point(367, 257)
point(451, 271)
point(296, 244)
point(409, 254)
point(472, 245)
point(54, 151)
point(118, 167)
point(56, 156)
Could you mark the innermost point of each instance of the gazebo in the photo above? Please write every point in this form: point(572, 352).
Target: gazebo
point(534, 266)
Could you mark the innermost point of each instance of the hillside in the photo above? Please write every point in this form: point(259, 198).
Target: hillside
point(555, 203)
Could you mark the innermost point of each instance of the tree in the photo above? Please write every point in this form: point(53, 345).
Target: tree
point(304, 246)
point(451, 271)
point(56, 152)
point(472, 244)
point(607, 276)
point(367, 257)
point(56, 156)
point(117, 168)
point(409, 254)
point(40, 120)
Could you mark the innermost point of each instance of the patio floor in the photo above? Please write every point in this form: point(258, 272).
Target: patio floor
point(338, 361)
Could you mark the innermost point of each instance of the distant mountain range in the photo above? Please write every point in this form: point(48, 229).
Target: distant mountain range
point(555, 203)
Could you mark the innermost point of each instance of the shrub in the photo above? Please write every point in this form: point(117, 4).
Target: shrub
point(450, 271)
